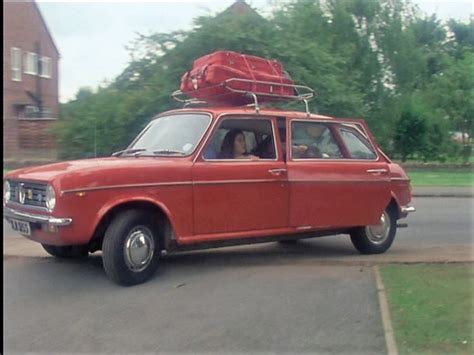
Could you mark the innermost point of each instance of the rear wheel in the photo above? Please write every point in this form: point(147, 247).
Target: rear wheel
point(130, 250)
point(377, 238)
point(67, 252)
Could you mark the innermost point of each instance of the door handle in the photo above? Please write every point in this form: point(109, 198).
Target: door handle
point(377, 171)
point(277, 171)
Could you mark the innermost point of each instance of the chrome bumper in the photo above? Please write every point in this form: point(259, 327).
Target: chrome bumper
point(407, 209)
point(35, 218)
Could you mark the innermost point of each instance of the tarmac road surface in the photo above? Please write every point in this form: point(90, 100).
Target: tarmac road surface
point(219, 306)
point(317, 296)
point(440, 230)
point(439, 221)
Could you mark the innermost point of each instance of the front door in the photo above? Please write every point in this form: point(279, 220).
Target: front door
point(236, 190)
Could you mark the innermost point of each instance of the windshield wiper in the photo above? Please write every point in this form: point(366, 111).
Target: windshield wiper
point(128, 151)
point(168, 152)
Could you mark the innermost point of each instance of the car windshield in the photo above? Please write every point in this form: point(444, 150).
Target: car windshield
point(172, 135)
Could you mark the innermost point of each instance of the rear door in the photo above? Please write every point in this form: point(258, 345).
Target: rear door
point(339, 186)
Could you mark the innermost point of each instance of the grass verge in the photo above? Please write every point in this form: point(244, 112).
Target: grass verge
point(432, 307)
point(442, 178)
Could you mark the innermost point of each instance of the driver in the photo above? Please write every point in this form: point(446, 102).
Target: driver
point(313, 140)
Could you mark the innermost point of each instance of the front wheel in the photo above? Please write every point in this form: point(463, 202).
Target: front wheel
point(130, 250)
point(377, 238)
point(67, 252)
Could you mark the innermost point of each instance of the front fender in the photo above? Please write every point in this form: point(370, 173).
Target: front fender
point(122, 200)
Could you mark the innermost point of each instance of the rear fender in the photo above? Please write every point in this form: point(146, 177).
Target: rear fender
point(395, 201)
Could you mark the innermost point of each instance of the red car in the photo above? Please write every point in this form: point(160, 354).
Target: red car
point(210, 177)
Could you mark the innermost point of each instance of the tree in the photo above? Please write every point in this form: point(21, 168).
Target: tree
point(363, 58)
point(410, 134)
point(452, 93)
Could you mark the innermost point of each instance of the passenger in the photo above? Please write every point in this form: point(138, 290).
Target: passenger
point(265, 149)
point(234, 146)
point(211, 153)
point(312, 140)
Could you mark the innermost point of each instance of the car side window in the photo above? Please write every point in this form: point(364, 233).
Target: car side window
point(243, 139)
point(313, 140)
point(358, 146)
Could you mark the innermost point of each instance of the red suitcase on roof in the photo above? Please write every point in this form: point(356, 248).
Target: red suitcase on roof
point(211, 78)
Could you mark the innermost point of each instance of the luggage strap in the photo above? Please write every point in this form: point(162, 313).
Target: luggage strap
point(276, 73)
point(248, 67)
point(253, 76)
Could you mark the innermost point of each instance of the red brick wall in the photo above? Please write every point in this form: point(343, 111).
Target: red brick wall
point(23, 28)
point(36, 134)
point(10, 137)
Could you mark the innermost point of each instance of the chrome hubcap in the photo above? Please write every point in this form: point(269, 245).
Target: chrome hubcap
point(139, 248)
point(378, 233)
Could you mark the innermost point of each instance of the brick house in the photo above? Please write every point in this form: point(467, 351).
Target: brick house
point(30, 85)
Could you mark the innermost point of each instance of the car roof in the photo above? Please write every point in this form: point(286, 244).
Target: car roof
point(232, 110)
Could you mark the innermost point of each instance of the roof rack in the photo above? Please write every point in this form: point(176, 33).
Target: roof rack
point(233, 86)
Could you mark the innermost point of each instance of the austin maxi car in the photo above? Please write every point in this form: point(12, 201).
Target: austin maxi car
point(172, 190)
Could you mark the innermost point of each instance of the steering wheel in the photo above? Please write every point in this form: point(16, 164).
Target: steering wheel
point(312, 152)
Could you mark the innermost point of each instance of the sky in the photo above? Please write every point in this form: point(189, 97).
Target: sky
point(92, 36)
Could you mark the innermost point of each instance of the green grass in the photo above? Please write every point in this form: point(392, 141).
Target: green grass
point(432, 307)
point(441, 178)
point(457, 160)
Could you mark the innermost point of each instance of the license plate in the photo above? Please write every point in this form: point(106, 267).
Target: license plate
point(20, 226)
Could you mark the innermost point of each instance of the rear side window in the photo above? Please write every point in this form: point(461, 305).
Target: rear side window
point(313, 140)
point(357, 145)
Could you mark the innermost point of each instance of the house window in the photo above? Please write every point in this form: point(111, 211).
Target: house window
point(45, 67)
point(46, 113)
point(16, 64)
point(32, 111)
point(31, 63)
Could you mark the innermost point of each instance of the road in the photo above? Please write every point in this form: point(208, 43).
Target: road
point(434, 222)
point(316, 296)
point(440, 229)
point(440, 221)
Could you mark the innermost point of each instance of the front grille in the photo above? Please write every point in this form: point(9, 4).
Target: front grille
point(35, 194)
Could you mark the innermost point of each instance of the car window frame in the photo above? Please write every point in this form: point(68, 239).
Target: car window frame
point(356, 133)
point(177, 113)
point(218, 122)
point(330, 125)
point(338, 124)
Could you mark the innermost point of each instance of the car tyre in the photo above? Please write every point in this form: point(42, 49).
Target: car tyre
point(288, 241)
point(376, 239)
point(67, 252)
point(130, 250)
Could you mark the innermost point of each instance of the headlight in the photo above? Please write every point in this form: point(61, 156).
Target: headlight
point(50, 198)
point(6, 192)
